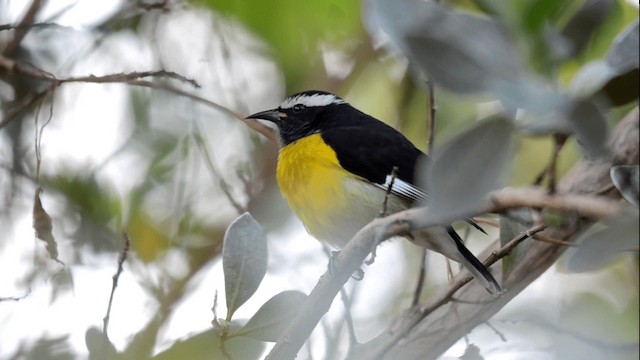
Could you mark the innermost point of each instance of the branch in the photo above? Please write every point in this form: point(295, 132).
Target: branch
point(430, 328)
point(23, 28)
point(121, 259)
point(133, 78)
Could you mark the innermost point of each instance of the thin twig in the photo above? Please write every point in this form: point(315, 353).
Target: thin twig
point(431, 130)
point(550, 171)
point(121, 259)
point(431, 121)
point(550, 240)
point(224, 186)
point(558, 142)
point(133, 78)
point(16, 298)
point(495, 330)
point(392, 179)
point(346, 301)
point(21, 32)
point(494, 257)
point(538, 198)
point(5, 27)
point(422, 274)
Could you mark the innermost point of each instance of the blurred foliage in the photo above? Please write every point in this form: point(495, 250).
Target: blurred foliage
point(608, 331)
point(164, 199)
point(207, 345)
point(297, 30)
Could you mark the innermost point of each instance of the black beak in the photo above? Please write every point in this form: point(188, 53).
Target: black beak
point(274, 115)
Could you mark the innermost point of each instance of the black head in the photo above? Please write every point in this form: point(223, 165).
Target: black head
point(304, 114)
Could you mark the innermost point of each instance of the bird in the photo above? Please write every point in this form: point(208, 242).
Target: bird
point(334, 168)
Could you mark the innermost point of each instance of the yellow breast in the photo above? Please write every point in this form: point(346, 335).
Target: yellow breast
point(310, 177)
point(332, 203)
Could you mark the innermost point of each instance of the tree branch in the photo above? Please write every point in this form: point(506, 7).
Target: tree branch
point(133, 78)
point(429, 331)
point(431, 328)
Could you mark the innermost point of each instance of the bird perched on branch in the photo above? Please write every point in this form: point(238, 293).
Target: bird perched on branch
point(334, 169)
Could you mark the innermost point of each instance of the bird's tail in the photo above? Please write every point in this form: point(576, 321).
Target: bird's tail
point(473, 265)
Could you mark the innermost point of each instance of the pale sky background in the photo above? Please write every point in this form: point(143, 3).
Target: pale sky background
point(96, 116)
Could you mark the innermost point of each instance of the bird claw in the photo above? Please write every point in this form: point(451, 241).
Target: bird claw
point(372, 258)
point(332, 260)
point(357, 275)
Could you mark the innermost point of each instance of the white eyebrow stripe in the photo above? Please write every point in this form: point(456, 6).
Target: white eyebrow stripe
point(311, 100)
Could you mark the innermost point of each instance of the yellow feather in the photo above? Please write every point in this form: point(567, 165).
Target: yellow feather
point(331, 202)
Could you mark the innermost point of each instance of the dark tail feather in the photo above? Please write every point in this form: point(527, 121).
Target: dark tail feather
point(473, 265)
point(476, 225)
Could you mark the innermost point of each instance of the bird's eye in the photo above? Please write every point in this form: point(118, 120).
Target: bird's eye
point(298, 107)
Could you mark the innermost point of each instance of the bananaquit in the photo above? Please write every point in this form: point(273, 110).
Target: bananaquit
point(334, 169)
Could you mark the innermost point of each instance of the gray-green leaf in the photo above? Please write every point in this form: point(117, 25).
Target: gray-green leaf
point(626, 178)
point(598, 248)
point(272, 319)
point(462, 52)
point(244, 261)
point(515, 223)
point(469, 166)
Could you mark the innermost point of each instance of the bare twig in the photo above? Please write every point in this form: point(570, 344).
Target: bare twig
point(392, 179)
point(550, 171)
point(121, 259)
point(21, 30)
point(431, 123)
point(346, 301)
point(264, 130)
point(535, 197)
point(133, 78)
point(224, 186)
point(431, 131)
point(16, 298)
point(550, 240)
point(422, 274)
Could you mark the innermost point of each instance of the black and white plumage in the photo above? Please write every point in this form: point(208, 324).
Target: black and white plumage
point(334, 170)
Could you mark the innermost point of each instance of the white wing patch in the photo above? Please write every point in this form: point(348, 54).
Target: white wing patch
point(311, 100)
point(404, 189)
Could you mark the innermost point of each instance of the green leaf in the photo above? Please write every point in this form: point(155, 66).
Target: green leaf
point(272, 319)
point(463, 171)
point(244, 261)
point(541, 12)
point(295, 29)
point(585, 22)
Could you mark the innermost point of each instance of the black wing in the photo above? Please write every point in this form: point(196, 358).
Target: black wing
point(371, 148)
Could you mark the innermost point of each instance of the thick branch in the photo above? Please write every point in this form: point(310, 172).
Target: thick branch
point(424, 333)
point(434, 323)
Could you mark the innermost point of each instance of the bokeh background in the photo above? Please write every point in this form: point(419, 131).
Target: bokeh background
point(172, 172)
